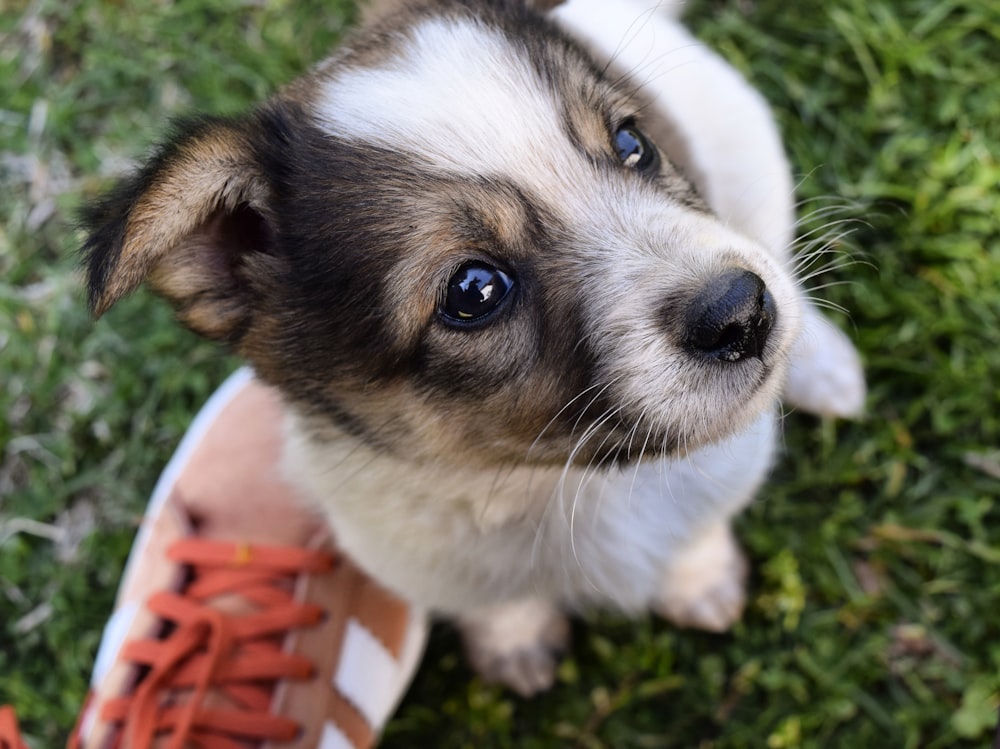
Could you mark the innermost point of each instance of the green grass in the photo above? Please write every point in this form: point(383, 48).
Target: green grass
point(873, 617)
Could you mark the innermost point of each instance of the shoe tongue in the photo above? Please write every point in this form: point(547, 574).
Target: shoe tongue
point(232, 485)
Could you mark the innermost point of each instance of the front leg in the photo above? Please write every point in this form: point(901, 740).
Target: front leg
point(705, 585)
point(517, 644)
point(824, 375)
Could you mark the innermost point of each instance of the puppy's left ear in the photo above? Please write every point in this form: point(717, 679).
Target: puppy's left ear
point(192, 223)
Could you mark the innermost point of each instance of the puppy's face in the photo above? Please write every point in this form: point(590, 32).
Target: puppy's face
point(455, 241)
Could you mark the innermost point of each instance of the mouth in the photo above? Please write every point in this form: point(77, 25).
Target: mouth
point(717, 390)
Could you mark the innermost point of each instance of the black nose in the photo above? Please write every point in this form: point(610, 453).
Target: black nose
point(731, 317)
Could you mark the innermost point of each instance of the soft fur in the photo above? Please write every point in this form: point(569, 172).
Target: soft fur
point(583, 443)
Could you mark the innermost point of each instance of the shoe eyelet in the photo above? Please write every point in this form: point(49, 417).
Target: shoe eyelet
point(320, 617)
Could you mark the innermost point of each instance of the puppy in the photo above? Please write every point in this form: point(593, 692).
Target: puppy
point(522, 276)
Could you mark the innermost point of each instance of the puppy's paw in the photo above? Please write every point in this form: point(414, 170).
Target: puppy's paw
point(516, 644)
point(825, 374)
point(705, 587)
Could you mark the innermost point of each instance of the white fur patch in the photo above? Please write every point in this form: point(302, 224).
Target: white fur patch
point(457, 98)
point(741, 169)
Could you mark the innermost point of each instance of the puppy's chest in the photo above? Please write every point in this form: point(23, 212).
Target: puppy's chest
point(452, 538)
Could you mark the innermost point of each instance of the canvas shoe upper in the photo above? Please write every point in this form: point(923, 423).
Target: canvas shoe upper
point(237, 623)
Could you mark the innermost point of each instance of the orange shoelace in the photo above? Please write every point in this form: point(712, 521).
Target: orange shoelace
point(209, 681)
point(10, 734)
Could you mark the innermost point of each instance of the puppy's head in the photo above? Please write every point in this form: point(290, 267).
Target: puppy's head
point(455, 241)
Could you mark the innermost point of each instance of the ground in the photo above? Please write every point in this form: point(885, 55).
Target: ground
point(872, 619)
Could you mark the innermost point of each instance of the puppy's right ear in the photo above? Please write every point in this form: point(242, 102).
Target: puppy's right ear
point(192, 223)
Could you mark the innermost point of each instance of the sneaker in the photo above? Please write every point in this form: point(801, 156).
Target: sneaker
point(238, 624)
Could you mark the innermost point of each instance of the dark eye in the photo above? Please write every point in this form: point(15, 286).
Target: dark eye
point(634, 149)
point(476, 290)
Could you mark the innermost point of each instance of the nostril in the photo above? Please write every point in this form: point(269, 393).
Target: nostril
point(731, 317)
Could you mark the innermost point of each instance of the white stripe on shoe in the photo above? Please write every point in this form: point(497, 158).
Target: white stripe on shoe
point(332, 738)
point(367, 674)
